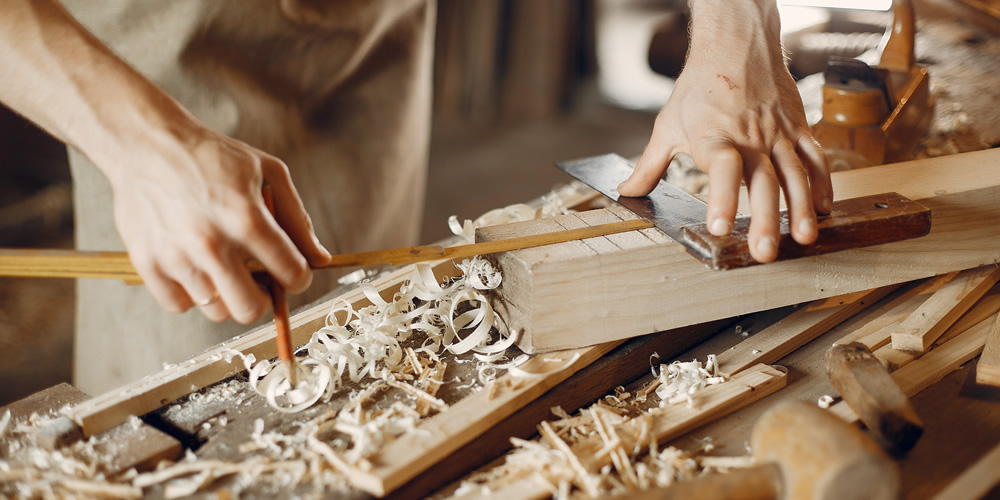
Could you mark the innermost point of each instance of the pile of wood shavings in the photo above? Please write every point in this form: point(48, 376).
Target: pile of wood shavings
point(392, 358)
point(554, 459)
point(80, 470)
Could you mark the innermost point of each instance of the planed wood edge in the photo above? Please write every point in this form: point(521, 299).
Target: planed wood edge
point(919, 331)
point(797, 329)
point(931, 367)
point(876, 333)
point(988, 369)
point(984, 309)
point(436, 437)
point(977, 480)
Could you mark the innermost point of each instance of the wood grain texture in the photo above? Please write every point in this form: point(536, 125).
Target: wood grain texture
point(854, 223)
point(984, 309)
point(988, 370)
point(151, 392)
point(932, 366)
point(877, 332)
point(919, 331)
point(788, 334)
point(870, 391)
point(564, 297)
point(141, 447)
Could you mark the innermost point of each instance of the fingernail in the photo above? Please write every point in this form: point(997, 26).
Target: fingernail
point(806, 226)
point(826, 204)
point(766, 246)
point(719, 227)
point(326, 253)
point(620, 186)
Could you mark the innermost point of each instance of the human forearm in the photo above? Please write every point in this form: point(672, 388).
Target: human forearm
point(187, 200)
point(65, 80)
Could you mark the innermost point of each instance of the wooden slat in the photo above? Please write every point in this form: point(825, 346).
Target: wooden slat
point(578, 300)
point(436, 437)
point(116, 265)
point(788, 334)
point(877, 332)
point(988, 370)
point(932, 366)
point(919, 331)
point(987, 307)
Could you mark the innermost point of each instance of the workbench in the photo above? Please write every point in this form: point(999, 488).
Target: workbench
point(217, 420)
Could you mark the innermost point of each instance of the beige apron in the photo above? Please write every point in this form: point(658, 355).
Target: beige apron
point(338, 89)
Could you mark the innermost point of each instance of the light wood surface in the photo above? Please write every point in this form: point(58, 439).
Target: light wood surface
point(919, 331)
point(116, 265)
point(877, 332)
point(797, 329)
point(932, 366)
point(988, 370)
point(977, 480)
point(577, 294)
point(894, 359)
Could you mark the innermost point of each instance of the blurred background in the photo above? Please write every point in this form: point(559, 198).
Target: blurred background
point(519, 85)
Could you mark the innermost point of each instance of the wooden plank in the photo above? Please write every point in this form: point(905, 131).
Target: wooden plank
point(797, 329)
point(711, 403)
point(932, 366)
point(988, 370)
point(45, 401)
point(151, 392)
point(977, 480)
point(625, 364)
point(877, 332)
point(138, 445)
point(567, 301)
point(987, 307)
point(435, 438)
point(919, 331)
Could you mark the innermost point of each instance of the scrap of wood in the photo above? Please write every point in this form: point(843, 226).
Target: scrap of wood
point(711, 403)
point(571, 295)
point(795, 330)
point(637, 435)
point(988, 370)
point(876, 333)
point(436, 437)
point(985, 308)
point(130, 445)
point(932, 366)
point(977, 480)
point(919, 331)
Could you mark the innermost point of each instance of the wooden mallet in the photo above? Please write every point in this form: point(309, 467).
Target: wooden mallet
point(875, 397)
point(801, 451)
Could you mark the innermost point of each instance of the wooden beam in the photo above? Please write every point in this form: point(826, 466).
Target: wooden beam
point(583, 293)
point(988, 370)
point(795, 330)
point(987, 307)
point(877, 332)
point(919, 331)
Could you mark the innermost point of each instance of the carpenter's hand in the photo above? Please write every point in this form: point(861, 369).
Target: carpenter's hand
point(191, 214)
point(737, 112)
